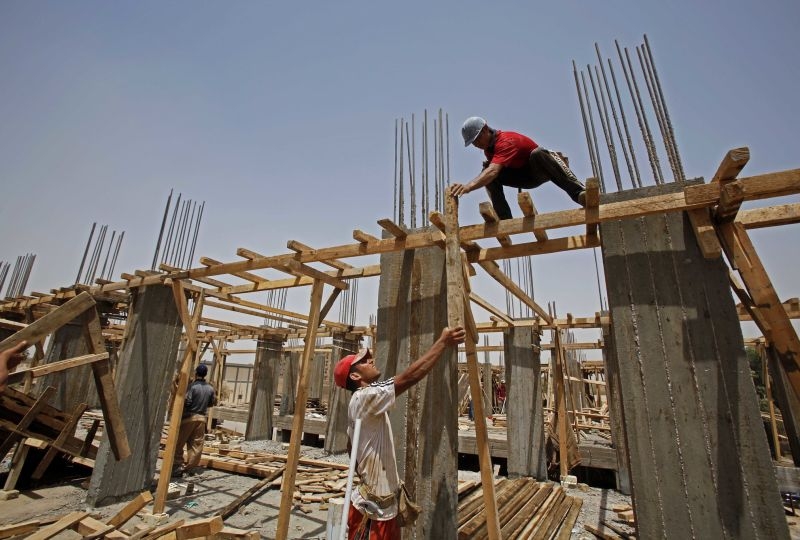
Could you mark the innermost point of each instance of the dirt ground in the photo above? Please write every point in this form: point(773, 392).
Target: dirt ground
point(213, 490)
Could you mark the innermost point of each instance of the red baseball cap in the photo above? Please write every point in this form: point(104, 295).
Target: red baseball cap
point(342, 370)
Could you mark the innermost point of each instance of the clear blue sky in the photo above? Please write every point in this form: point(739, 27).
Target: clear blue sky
point(280, 115)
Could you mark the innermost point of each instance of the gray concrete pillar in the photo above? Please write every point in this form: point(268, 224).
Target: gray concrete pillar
point(615, 413)
point(338, 398)
point(700, 464)
point(147, 365)
point(525, 432)
point(412, 311)
point(291, 370)
point(262, 395)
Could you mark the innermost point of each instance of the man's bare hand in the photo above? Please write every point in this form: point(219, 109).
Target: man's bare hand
point(453, 336)
point(10, 359)
point(457, 190)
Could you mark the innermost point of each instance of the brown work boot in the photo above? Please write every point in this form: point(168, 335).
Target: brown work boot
point(582, 198)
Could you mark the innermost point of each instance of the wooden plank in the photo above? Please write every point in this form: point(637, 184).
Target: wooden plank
point(106, 393)
point(66, 432)
point(16, 529)
point(739, 248)
point(208, 261)
point(287, 488)
point(294, 245)
point(730, 200)
point(363, 237)
point(493, 270)
point(130, 509)
point(233, 507)
point(393, 228)
point(490, 308)
point(705, 232)
point(770, 216)
point(89, 528)
point(53, 367)
point(569, 522)
point(164, 530)
point(313, 273)
point(12, 325)
point(45, 326)
point(529, 210)
point(456, 308)
point(62, 524)
point(554, 245)
point(490, 216)
point(26, 420)
point(731, 165)
point(199, 528)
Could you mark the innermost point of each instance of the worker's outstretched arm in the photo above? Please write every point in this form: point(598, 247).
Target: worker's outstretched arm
point(486, 177)
point(450, 337)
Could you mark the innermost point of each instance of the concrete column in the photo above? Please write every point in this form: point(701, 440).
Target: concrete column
point(338, 398)
point(147, 364)
point(526, 450)
point(291, 370)
point(262, 396)
point(317, 374)
point(700, 464)
point(412, 311)
point(615, 414)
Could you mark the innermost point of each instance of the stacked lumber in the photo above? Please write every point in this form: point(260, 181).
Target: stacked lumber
point(90, 526)
point(527, 509)
point(499, 420)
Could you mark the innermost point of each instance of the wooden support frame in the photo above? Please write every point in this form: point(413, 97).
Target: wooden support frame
point(190, 328)
point(525, 202)
point(66, 432)
point(592, 206)
point(287, 486)
point(457, 316)
point(393, 228)
point(490, 216)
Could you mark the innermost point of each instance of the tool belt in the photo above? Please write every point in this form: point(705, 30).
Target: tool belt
point(382, 501)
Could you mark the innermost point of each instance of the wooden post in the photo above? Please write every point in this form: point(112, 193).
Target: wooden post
point(776, 442)
point(560, 403)
point(287, 486)
point(190, 326)
point(456, 316)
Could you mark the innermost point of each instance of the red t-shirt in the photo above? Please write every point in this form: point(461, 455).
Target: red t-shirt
point(511, 149)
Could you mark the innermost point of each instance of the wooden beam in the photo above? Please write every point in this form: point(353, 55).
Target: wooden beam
point(739, 248)
point(554, 245)
point(287, 486)
point(592, 206)
point(129, 510)
point(769, 216)
point(47, 324)
point(299, 247)
point(490, 308)
point(367, 271)
point(493, 270)
point(457, 316)
point(490, 216)
point(61, 525)
point(393, 228)
point(208, 261)
point(207, 280)
point(525, 203)
point(730, 200)
point(705, 232)
point(363, 237)
point(104, 383)
point(313, 273)
point(53, 367)
point(731, 165)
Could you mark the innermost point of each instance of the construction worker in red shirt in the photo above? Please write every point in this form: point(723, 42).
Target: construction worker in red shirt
point(514, 160)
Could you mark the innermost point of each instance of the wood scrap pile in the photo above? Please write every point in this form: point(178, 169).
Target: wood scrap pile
point(624, 527)
point(527, 509)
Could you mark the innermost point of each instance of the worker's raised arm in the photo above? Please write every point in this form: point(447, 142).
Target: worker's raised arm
point(486, 177)
point(450, 337)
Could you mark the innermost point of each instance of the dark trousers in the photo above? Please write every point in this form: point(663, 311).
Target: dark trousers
point(542, 166)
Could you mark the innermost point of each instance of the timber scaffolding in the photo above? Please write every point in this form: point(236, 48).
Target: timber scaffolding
point(684, 416)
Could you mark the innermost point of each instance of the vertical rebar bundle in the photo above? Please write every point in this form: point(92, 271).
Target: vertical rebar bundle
point(19, 275)
point(605, 99)
point(93, 253)
point(412, 179)
point(180, 240)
